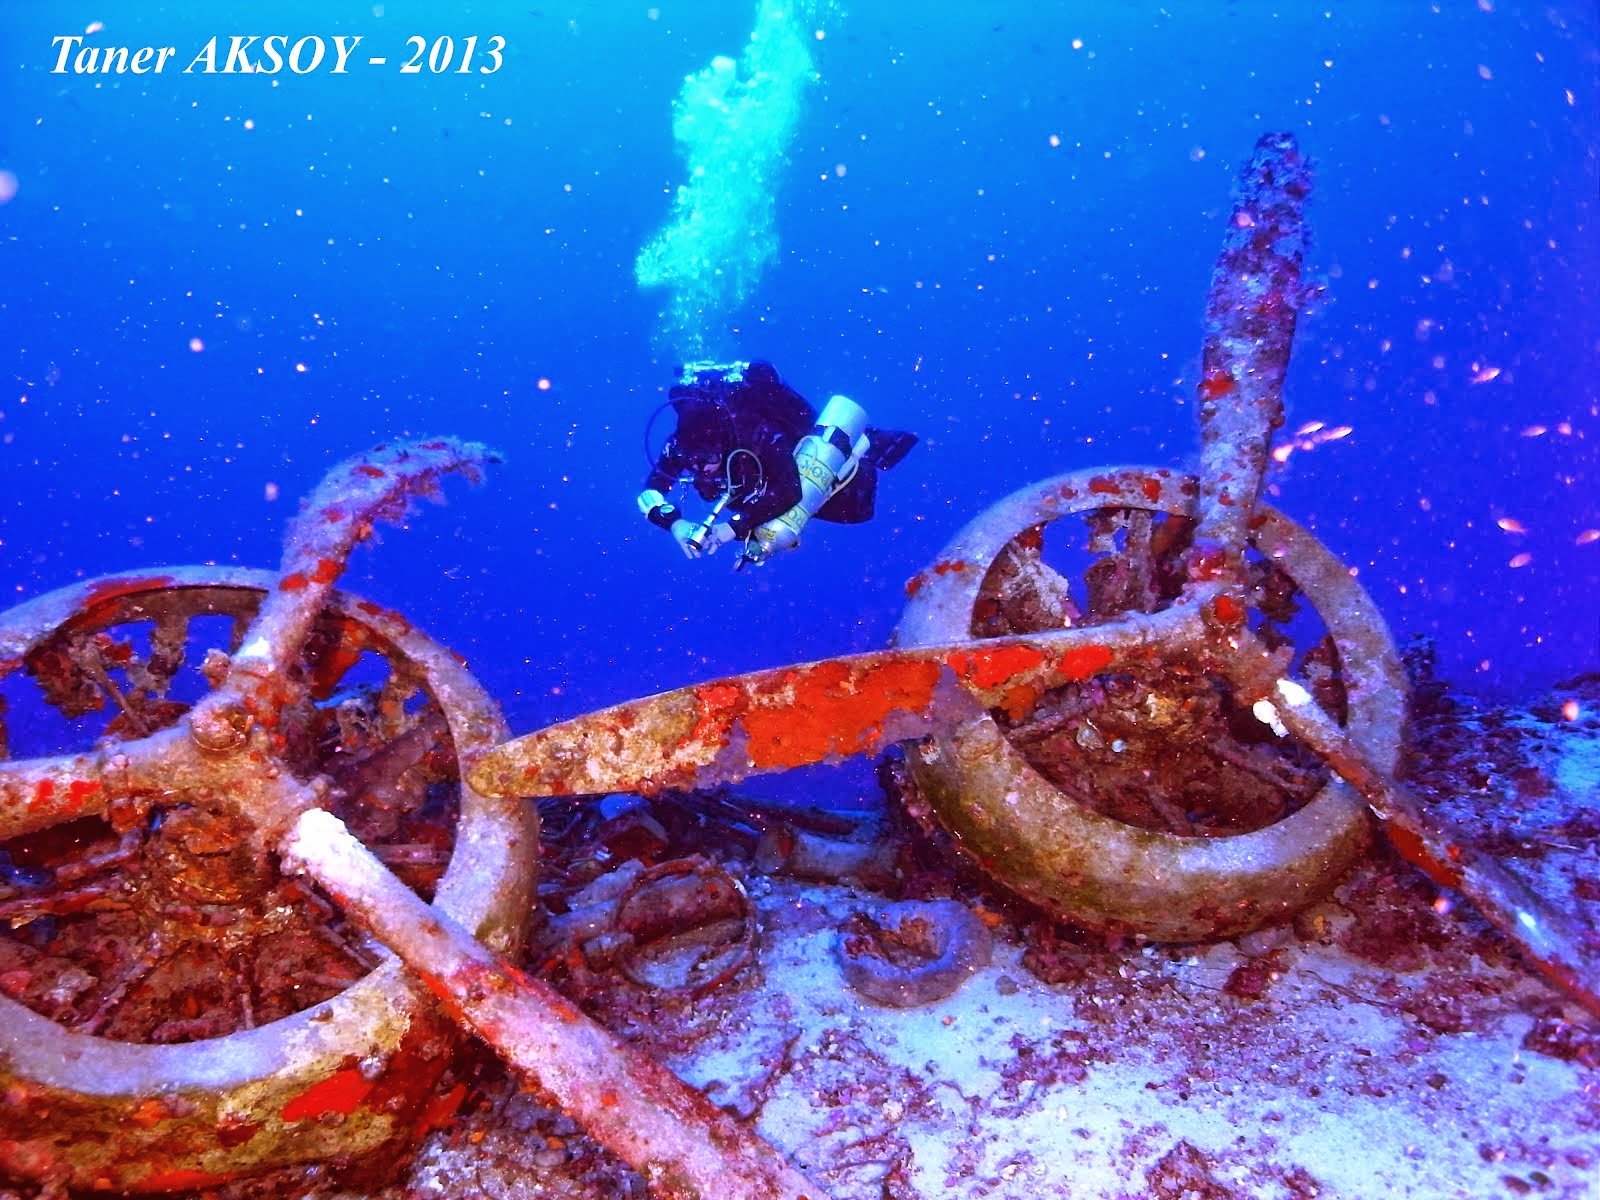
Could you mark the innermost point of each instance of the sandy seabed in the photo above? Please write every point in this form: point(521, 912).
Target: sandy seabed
point(1387, 1043)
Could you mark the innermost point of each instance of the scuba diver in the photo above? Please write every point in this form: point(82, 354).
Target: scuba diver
point(765, 460)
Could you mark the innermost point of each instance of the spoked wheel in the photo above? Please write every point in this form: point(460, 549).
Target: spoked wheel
point(1148, 801)
point(174, 1011)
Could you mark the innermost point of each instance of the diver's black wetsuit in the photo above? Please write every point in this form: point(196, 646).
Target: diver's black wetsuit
point(744, 431)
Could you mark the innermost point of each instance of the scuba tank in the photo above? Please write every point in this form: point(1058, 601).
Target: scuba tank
point(827, 459)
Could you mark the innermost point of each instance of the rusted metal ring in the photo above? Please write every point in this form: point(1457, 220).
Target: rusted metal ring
point(739, 953)
point(913, 952)
point(1101, 873)
point(335, 1081)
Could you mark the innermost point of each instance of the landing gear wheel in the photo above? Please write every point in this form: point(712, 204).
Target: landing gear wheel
point(174, 1012)
point(1072, 852)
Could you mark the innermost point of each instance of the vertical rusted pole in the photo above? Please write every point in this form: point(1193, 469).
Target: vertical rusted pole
point(1254, 300)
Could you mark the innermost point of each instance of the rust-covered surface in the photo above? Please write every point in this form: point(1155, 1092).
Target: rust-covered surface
point(1090, 866)
point(1170, 624)
point(1386, 1015)
point(1252, 307)
point(681, 1143)
point(359, 1069)
point(175, 1013)
point(774, 720)
point(1034, 708)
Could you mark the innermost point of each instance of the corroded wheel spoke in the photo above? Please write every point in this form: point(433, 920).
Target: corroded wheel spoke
point(1162, 747)
point(1027, 595)
point(1103, 799)
point(40, 792)
point(1130, 574)
point(175, 875)
point(162, 838)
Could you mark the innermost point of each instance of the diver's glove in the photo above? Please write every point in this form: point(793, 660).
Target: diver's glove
point(695, 539)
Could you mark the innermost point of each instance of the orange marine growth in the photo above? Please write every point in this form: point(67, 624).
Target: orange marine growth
point(333, 666)
point(112, 589)
point(991, 668)
point(79, 791)
point(830, 712)
point(1216, 385)
point(950, 566)
point(1415, 850)
point(1083, 662)
point(1019, 700)
point(340, 1093)
point(179, 1179)
point(719, 703)
point(441, 1109)
point(1228, 610)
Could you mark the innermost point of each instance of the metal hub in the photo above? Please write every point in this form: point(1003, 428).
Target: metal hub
point(1095, 868)
point(174, 1011)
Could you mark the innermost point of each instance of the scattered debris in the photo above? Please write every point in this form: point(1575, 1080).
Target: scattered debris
point(914, 952)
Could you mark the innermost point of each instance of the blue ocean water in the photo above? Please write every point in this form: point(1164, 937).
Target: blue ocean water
point(997, 226)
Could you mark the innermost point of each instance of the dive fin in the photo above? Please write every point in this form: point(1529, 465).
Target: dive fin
point(886, 447)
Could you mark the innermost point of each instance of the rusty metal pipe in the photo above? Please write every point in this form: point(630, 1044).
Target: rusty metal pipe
point(684, 1146)
point(1251, 312)
point(1554, 944)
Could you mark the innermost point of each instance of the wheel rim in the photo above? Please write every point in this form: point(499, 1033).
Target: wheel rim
point(1102, 873)
point(158, 1116)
